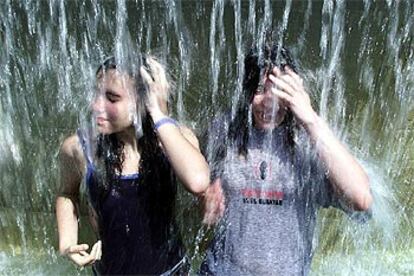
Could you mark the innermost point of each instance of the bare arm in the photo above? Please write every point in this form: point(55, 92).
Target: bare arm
point(345, 174)
point(68, 198)
point(67, 202)
point(181, 147)
point(179, 143)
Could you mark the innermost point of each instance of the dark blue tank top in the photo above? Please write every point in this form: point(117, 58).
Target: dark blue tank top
point(133, 240)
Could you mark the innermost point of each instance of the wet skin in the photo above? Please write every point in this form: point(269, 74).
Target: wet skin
point(113, 104)
point(268, 111)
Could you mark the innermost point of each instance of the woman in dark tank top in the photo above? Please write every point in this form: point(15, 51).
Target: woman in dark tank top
point(130, 164)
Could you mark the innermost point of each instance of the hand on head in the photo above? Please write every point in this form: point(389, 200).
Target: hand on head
point(289, 88)
point(154, 77)
point(79, 255)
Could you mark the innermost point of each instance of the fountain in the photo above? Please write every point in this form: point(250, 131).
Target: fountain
point(356, 56)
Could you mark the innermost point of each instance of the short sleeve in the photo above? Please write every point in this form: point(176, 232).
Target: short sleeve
point(320, 191)
point(324, 193)
point(314, 177)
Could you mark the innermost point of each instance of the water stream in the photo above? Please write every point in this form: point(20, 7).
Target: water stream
point(357, 58)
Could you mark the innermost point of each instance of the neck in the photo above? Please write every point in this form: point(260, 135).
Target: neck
point(128, 137)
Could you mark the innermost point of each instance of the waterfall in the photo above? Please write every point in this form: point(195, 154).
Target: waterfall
point(357, 60)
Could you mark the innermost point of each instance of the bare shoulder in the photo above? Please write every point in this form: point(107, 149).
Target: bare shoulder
point(71, 167)
point(71, 155)
point(189, 135)
point(71, 148)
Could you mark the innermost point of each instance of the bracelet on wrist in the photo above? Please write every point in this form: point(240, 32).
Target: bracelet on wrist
point(164, 121)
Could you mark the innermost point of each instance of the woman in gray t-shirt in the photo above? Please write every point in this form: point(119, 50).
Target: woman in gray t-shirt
point(274, 164)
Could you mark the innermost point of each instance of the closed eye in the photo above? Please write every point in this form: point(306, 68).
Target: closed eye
point(112, 96)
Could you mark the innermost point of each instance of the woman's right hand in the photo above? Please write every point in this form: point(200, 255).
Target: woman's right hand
point(213, 203)
point(79, 255)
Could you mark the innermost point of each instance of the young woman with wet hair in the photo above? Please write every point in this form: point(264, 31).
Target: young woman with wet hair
point(130, 168)
point(273, 166)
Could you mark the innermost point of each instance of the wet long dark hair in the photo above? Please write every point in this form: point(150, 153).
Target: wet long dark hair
point(256, 65)
point(154, 169)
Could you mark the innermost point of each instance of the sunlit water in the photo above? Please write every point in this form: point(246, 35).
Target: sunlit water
point(356, 57)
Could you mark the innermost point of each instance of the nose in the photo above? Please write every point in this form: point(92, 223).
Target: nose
point(98, 104)
point(269, 99)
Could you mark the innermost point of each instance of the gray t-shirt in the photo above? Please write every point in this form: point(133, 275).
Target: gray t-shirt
point(271, 202)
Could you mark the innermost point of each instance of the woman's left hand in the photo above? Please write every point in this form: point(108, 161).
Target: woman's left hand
point(156, 81)
point(288, 87)
point(213, 203)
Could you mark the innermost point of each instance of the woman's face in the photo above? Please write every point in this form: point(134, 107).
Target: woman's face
point(268, 111)
point(114, 103)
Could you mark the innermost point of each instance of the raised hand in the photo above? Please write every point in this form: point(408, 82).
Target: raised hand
point(288, 87)
point(79, 255)
point(154, 77)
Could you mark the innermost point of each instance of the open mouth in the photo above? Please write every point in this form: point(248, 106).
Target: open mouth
point(267, 116)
